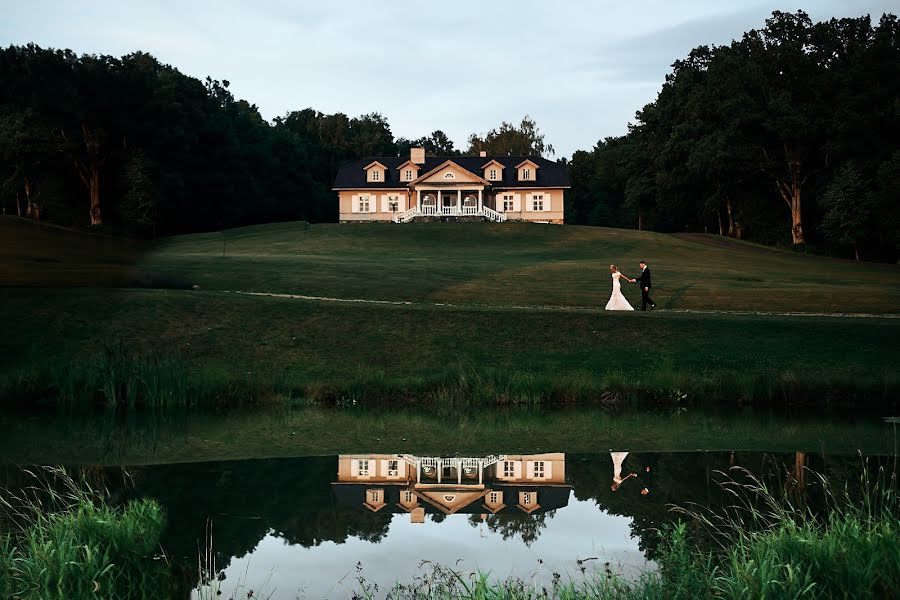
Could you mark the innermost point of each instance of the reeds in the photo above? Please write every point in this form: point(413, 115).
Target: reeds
point(62, 539)
point(119, 377)
point(762, 545)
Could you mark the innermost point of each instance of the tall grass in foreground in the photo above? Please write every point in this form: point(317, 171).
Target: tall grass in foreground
point(61, 539)
point(758, 547)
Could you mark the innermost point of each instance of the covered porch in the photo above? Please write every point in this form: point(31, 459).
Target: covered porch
point(455, 201)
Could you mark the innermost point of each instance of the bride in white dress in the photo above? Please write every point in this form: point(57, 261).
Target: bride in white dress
point(617, 301)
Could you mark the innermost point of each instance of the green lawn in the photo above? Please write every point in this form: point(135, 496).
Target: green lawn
point(471, 263)
point(486, 344)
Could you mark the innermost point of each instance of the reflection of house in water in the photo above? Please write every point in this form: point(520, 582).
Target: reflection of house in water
point(522, 484)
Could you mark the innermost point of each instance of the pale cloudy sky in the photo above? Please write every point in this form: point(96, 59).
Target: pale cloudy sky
point(581, 68)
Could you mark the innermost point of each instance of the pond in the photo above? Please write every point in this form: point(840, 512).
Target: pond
point(321, 503)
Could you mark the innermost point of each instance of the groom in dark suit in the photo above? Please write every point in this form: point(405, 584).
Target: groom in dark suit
point(644, 282)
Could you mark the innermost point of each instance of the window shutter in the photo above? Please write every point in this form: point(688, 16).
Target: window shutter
point(402, 203)
point(385, 200)
point(517, 202)
point(354, 208)
point(354, 464)
point(529, 469)
point(547, 201)
point(548, 469)
point(517, 469)
point(384, 467)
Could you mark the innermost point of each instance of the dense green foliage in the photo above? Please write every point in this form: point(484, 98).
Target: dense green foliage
point(134, 144)
point(754, 140)
point(66, 541)
point(745, 139)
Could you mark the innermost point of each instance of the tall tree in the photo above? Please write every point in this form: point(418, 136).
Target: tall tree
point(524, 139)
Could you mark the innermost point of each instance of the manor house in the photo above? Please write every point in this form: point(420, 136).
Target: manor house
point(495, 484)
point(495, 188)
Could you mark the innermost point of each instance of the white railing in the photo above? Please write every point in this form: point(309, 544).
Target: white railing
point(406, 215)
point(493, 215)
point(430, 210)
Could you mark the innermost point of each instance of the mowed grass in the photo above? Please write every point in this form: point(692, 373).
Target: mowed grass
point(471, 263)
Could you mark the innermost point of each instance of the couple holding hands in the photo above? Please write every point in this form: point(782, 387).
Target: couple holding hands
point(617, 301)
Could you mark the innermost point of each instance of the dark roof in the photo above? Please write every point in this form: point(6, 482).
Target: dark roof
point(549, 173)
point(550, 497)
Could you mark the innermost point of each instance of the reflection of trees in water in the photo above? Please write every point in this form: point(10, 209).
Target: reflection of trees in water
point(685, 479)
point(293, 498)
point(526, 527)
point(245, 500)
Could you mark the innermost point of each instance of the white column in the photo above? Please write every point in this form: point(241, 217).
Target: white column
point(480, 201)
point(418, 200)
point(439, 468)
point(458, 202)
point(418, 471)
point(458, 471)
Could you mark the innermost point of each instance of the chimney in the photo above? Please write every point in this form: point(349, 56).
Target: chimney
point(482, 154)
point(417, 155)
point(417, 515)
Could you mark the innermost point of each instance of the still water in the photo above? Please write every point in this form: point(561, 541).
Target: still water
point(531, 496)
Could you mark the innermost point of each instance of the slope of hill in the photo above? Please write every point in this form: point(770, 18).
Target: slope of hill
point(521, 264)
point(486, 264)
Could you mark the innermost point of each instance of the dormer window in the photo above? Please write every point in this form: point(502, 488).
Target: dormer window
point(527, 170)
point(408, 175)
point(493, 170)
point(375, 172)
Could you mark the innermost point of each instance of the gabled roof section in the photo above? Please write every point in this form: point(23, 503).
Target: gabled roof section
point(445, 165)
point(450, 501)
point(528, 161)
point(493, 161)
point(374, 163)
point(411, 164)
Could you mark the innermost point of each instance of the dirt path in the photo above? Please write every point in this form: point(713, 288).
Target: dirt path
point(562, 308)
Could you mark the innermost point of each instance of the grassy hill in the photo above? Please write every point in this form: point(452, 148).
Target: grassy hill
point(486, 264)
point(508, 335)
point(522, 264)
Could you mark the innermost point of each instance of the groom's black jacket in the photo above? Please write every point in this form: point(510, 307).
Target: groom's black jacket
point(645, 278)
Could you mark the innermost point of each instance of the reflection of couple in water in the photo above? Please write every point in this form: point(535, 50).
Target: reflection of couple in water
point(644, 478)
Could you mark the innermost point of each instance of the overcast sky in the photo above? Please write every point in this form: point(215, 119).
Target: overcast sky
point(580, 68)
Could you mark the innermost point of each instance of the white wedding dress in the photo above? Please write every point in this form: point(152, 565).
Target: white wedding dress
point(617, 301)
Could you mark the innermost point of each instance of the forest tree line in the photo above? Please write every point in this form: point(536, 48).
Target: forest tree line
point(786, 136)
point(133, 145)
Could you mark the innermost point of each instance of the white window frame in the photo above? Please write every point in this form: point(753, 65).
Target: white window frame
point(492, 175)
point(495, 498)
point(374, 496)
point(362, 467)
point(537, 204)
point(393, 203)
point(365, 201)
point(395, 471)
point(509, 468)
point(409, 175)
point(408, 496)
point(509, 203)
point(526, 498)
point(376, 175)
point(539, 471)
point(526, 174)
